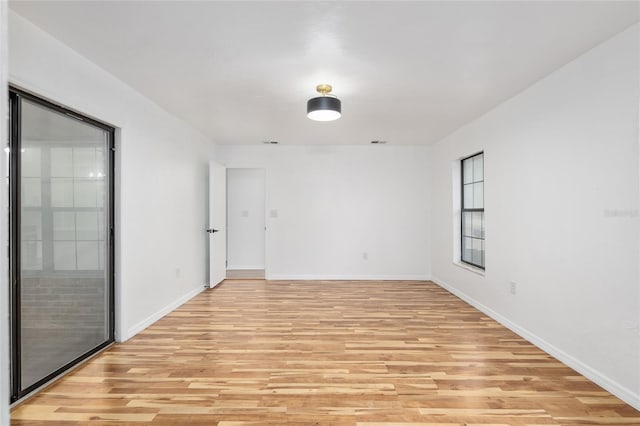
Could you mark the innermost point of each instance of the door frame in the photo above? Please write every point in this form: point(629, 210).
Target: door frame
point(266, 203)
point(264, 210)
point(15, 94)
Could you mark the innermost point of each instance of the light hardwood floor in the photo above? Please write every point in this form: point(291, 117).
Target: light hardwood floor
point(326, 353)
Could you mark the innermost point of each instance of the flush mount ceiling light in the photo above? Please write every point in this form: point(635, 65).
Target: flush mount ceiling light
point(325, 107)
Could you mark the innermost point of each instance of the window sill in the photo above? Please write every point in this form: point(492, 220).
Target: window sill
point(469, 268)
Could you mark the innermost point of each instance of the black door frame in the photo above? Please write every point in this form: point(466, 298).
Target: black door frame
point(15, 95)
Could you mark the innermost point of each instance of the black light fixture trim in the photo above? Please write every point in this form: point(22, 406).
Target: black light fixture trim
point(324, 103)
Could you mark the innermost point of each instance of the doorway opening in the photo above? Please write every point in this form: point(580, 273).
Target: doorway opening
point(246, 226)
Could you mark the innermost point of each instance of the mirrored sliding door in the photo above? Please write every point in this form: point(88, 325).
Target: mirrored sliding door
point(62, 247)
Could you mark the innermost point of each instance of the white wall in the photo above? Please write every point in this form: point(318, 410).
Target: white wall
point(161, 175)
point(561, 199)
point(245, 218)
point(334, 204)
point(4, 227)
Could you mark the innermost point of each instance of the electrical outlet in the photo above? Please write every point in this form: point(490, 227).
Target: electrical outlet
point(513, 287)
point(365, 255)
point(178, 272)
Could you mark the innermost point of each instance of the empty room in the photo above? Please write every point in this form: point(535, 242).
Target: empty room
point(363, 213)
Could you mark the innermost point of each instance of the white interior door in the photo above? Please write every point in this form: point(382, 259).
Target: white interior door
point(217, 223)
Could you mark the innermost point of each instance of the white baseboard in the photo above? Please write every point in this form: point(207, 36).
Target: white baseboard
point(622, 392)
point(159, 314)
point(311, 277)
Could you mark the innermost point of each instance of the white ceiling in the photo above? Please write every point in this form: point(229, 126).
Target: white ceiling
point(407, 72)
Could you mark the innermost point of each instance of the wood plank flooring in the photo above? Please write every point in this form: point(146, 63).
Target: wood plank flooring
point(325, 353)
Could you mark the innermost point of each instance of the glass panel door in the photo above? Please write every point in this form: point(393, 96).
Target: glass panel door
point(62, 223)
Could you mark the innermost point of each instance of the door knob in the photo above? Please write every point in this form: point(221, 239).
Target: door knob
point(211, 231)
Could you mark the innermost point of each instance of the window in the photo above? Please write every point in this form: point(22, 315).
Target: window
point(472, 217)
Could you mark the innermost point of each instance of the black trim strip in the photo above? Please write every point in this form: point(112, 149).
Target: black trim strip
point(14, 254)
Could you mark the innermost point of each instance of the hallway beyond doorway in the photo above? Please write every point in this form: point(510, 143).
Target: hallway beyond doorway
point(246, 274)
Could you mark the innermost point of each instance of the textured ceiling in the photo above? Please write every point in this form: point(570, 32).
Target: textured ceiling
point(407, 72)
